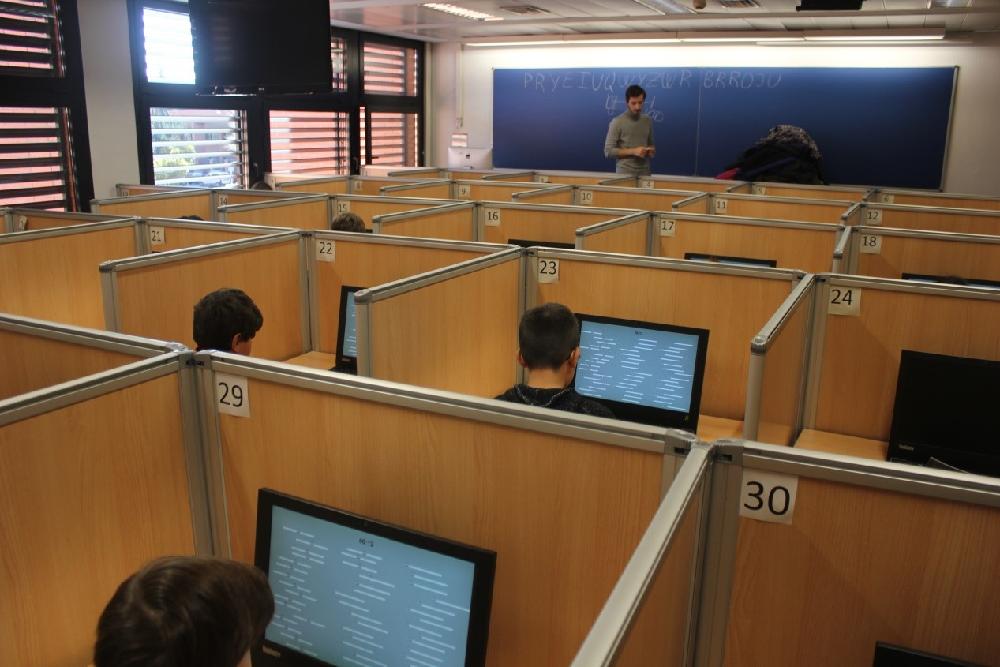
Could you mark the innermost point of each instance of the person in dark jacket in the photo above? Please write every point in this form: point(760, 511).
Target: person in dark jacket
point(549, 340)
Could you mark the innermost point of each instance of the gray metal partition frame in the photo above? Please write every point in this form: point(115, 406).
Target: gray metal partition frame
point(380, 221)
point(108, 223)
point(286, 199)
point(735, 458)
point(611, 629)
point(872, 211)
point(761, 188)
point(544, 190)
point(888, 196)
point(862, 233)
point(518, 205)
point(342, 203)
point(105, 340)
point(584, 194)
point(717, 203)
point(146, 227)
point(400, 190)
point(628, 219)
point(529, 176)
point(95, 204)
point(16, 218)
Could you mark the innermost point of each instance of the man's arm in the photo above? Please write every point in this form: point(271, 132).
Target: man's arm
point(650, 142)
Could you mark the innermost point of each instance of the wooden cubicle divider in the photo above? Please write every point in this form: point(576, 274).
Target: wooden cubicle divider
point(427, 173)
point(572, 178)
point(518, 480)
point(889, 253)
point(99, 476)
point(808, 246)
point(649, 618)
point(135, 189)
point(629, 234)
point(453, 329)
point(163, 234)
point(367, 207)
point(797, 209)
point(154, 296)
point(645, 199)
point(367, 260)
point(779, 355)
point(861, 325)
point(484, 190)
point(691, 184)
point(427, 189)
point(457, 222)
point(234, 197)
point(513, 175)
point(373, 185)
point(501, 222)
point(935, 199)
point(802, 191)
point(733, 303)
point(329, 185)
point(870, 552)
point(298, 212)
point(174, 204)
point(51, 274)
point(35, 354)
point(548, 194)
point(33, 219)
point(960, 221)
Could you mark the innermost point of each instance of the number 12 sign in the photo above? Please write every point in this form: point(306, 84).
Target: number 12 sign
point(768, 496)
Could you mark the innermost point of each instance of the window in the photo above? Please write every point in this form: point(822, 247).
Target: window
point(309, 142)
point(393, 139)
point(168, 48)
point(44, 151)
point(390, 70)
point(198, 147)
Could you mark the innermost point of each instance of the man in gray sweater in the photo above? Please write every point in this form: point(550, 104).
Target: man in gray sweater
point(630, 136)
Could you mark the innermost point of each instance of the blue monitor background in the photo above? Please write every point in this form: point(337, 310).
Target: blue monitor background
point(631, 364)
point(350, 597)
point(350, 345)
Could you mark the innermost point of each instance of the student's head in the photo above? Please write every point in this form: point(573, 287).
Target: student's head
point(226, 319)
point(549, 338)
point(185, 611)
point(348, 222)
point(261, 185)
point(635, 97)
point(191, 217)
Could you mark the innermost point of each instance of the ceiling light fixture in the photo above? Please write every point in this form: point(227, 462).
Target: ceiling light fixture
point(455, 10)
point(665, 6)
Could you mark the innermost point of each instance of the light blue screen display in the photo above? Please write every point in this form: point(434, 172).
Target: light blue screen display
point(637, 365)
point(350, 346)
point(348, 597)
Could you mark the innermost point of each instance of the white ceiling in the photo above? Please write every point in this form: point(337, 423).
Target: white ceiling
point(407, 18)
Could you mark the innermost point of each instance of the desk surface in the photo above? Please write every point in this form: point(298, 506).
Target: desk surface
point(717, 428)
point(320, 360)
point(834, 443)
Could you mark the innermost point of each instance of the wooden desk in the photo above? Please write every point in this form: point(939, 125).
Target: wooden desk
point(716, 428)
point(834, 443)
point(319, 360)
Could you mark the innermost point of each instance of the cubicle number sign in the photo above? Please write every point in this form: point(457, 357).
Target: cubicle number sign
point(464, 190)
point(667, 226)
point(768, 496)
point(758, 189)
point(326, 251)
point(844, 300)
point(548, 270)
point(343, 206)
point(585, 197)
point(357, 186)
point(222, 200)
point(541, 179)
point(871, 244)
point(872, 216)
point(232, 396)
point(646, 183)
point(492, 217)
point(22, 222)
point(721, 206)
point(886, 198)
point(157, 236)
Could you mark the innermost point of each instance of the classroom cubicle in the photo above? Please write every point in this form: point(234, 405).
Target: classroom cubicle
point(935, 199)
point(308, 212)
point(630, 234)
point(896, 253)
point(799, 209)
point(804, 191)
point(958, 220)
point(543, 489)
point(338, 259)
point(153, 296)
point(170, 204)
point(163, 234)
point(498, 190)
point(134, 189)
point(85, 506)
point(646, 199)
point(500, 221)
point(329, 185)
point(367, 207)
point(435, 189)
point(18, 219)
point(808, 246)
point(456, 221)
point(571, 177)
point(548, 194)
point(690, 183)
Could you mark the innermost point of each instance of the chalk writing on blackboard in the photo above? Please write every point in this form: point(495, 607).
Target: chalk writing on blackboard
point(552, 81)
point(735, 79)
point(615, 104)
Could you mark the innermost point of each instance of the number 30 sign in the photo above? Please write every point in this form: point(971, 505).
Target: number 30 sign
point(768, 496)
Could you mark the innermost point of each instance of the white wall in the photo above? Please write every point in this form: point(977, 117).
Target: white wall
point(107, 76)
point(462, 93)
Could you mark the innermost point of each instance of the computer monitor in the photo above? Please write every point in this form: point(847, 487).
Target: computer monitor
point(945, 408)
point(526, 243)
point(347, 334)
point(951, 280)
point(887, 655)
point(351, 591)
point(645, 372)
point(736, 261)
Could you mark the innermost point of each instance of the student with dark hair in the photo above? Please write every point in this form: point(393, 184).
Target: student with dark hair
point(261, 185)
point(549, 341)
point(185, 611)
point(348, 222)
point(630, 136)
point(227, 320)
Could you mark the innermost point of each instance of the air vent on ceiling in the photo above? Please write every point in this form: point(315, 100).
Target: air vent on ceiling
point(739, 4)
point(525, 9)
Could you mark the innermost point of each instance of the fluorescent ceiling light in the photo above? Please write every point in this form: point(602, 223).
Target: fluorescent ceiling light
point(666, 6)
point(454, 10)
point(916, 34)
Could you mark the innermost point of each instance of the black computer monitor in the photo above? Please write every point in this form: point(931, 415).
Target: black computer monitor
point(951, 280)
point(527, 243)
point(347, 334)
point(887, 655)
point(645, 372)
point(350, 591)
point(736, 261)
point(946, 408)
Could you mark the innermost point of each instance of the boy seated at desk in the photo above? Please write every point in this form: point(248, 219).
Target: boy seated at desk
point(549, 341)
point(226, 320)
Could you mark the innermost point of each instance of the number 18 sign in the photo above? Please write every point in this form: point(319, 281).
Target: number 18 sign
point(768, 496)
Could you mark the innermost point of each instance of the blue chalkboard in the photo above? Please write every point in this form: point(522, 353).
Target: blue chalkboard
point(874, 126)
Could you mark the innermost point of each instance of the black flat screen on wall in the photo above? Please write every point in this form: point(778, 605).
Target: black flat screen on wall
point(243, 47)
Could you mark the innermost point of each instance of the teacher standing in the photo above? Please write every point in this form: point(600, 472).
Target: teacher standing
point(630, 136)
